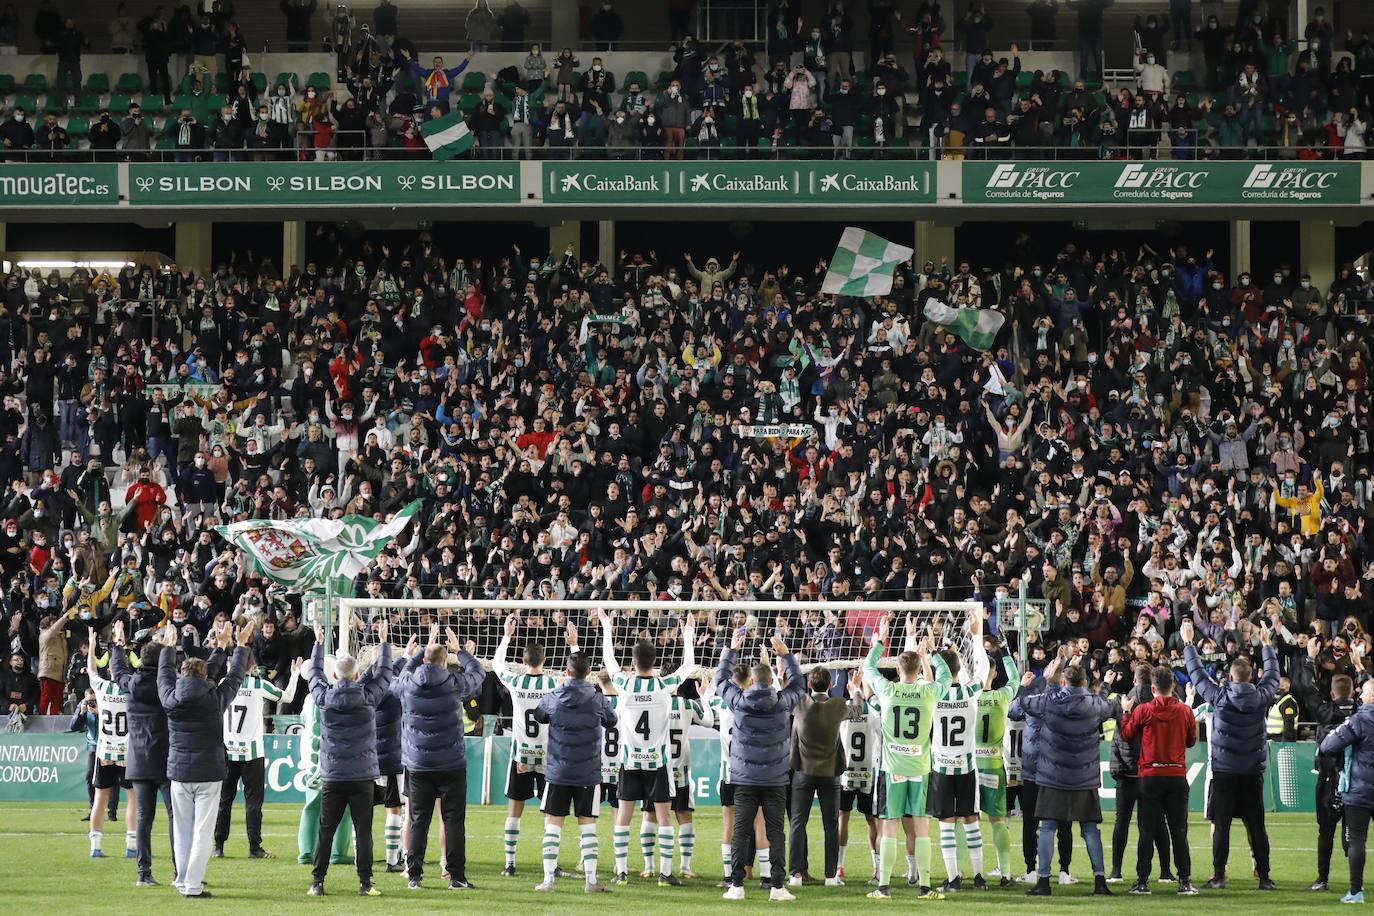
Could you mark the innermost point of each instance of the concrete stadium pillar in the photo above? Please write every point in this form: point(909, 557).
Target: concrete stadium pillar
point(292, 246)
point(193, 246)
point(1317, 247)
point(561, 235)
point(605, 243)
point(4, 238)
point(1239, 230)
point(933, 242)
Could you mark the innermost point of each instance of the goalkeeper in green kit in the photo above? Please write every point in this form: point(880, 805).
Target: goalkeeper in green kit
point(991, 727)
point(907, 715)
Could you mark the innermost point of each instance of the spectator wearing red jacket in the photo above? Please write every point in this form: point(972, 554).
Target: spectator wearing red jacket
point(1167, 728)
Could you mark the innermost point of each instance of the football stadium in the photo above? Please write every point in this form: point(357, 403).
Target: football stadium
point(670, 454)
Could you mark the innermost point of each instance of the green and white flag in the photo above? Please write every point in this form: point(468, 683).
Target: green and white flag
point(447, 137)
point(975, 327)
point(862, 265)
point(306, 554)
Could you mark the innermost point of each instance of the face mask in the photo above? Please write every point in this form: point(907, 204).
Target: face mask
point(651, 119)
point(1306, 284)
point(1149, 60)
point(1313, 45)
point(1278, 278)
point(748, 93)
point(19, 117)
point(1216, 286)
point(881, 92)
point(815, 35)
point(596, 69)
point(1245, 281)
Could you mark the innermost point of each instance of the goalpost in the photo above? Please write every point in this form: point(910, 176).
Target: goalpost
point(833, 634)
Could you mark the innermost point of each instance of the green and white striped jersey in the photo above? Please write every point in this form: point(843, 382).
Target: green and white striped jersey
point(992, 719)
point(1011, 749)
point(645, 709)
point(310, 742)
point(725, 724)
point(531, 739)
point(954, 739)
point(112, 709)
point(860, 738)
point(683, 715)
point(244, 729)
point(610, 748)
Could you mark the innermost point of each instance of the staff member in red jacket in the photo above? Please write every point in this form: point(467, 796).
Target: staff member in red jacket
point(1167, 728)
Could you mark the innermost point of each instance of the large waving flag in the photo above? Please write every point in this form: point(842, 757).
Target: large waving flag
point(976, 327)
point(447, 137)
point(862, 265)
point(307, 554)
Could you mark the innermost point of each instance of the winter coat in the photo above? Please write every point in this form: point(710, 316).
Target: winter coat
point(1030, 736)
point(432, 723)
point(1236, 740)
point(388, 719)
point(1356, 733)
point(347, 711)
point(1126, 753)
point(147, 755)
point(1070, 734)
point(52, 650)
point(576, 713)
point(195, 718)
point(760, 744)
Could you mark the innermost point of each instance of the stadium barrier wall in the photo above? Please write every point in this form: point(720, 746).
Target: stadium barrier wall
point(52, 768)
point(220, 187)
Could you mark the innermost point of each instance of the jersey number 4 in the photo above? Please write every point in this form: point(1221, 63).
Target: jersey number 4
point(642, 726)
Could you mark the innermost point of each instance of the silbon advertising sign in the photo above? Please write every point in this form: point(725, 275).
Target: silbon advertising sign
point(1161, 182)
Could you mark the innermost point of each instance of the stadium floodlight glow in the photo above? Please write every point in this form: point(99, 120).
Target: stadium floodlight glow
point(72, 265)
point(356, 634)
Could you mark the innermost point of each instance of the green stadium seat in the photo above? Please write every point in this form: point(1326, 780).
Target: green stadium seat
point(467, 102)
point(474, 82)
point(55, 103)
point(286, 79)
point(163, 143)
point(35, 84)
point(1024, 79)
point(88, 103)
point(7, 84)
point(222, 83)
point(152, 102)
point(28, 103)
point(959, 79)
point(1184, 80)
point(259, 81)
point(119, 104)
point(217, 101)
point(182, 101)
point(664, 78)
point(129, 84)
point(98, 83)
point(319, 80)
point(636, 76)
point(78, 127)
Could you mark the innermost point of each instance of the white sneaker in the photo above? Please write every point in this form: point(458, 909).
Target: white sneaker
point(781, 895)
point(834, 882)
point(1029, 877)
point(544, 886)
point(994, 873)
point(736, 892)
point(1066, 878)
point(794, 881)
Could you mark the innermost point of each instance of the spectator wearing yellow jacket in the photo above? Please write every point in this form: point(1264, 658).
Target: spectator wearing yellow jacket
point(1306, 506)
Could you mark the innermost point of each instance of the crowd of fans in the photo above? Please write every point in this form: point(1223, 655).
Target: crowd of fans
point(1253, 89)
point(1150, 440)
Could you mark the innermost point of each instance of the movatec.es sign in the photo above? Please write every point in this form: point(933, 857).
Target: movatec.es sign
point(284, 184)
point(766, 182)
point(1161, 182)
point(77, 185)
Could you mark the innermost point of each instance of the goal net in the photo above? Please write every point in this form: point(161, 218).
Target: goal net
point(834, 634)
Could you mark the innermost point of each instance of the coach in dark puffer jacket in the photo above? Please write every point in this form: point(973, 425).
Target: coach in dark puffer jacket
point(146, 763)
point(760, 752)
point(348, 752)
point(1236, 743)
point(1030, 737)
point(1357, 733)
point(195, 759)
point(434, 751)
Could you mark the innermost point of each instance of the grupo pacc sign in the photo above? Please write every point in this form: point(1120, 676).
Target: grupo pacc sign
point(285, 184)
point(764, 182)
point(1161, 182)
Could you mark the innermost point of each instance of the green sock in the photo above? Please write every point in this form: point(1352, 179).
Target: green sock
point(923, 854)
point(887, 856)
point(1001, 838)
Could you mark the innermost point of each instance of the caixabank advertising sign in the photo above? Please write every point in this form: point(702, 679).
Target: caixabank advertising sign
point(766, 182)
point(1161, 182)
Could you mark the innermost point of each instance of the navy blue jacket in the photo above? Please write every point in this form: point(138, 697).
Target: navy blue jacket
point(195, 718)
point(760, 744)
point(1030, 735)
point(348, 718)
point(147, 756)
point(389, 728)
point(1070, 738)
point(432, 698)
point(575, 713)
point(1356, 733)
point(1237, 742)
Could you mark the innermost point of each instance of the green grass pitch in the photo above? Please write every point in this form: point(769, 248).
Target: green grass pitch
point(47, 870)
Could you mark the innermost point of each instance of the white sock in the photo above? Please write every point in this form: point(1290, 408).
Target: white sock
point(873, 853)
point(727, 859)
point(646, 843)
point(130, 839)
point(687, 842)
point(910, 866)
point(621, 848)
point(96, 838)
point(665, 849)
point(973, 837)
point(392, 835)
point(842, 851)
point(765, 864)
point(949, 849)
point(512, 838)
point(590, 851)
point(552, 838)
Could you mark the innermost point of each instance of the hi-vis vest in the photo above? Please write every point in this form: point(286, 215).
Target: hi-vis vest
point(1285, 708)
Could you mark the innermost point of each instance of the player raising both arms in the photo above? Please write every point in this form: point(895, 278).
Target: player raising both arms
point(908, 713)
point(991, 727)
point(860, 737)
point(642, 720)
point(111, 748)
point(953, 792)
